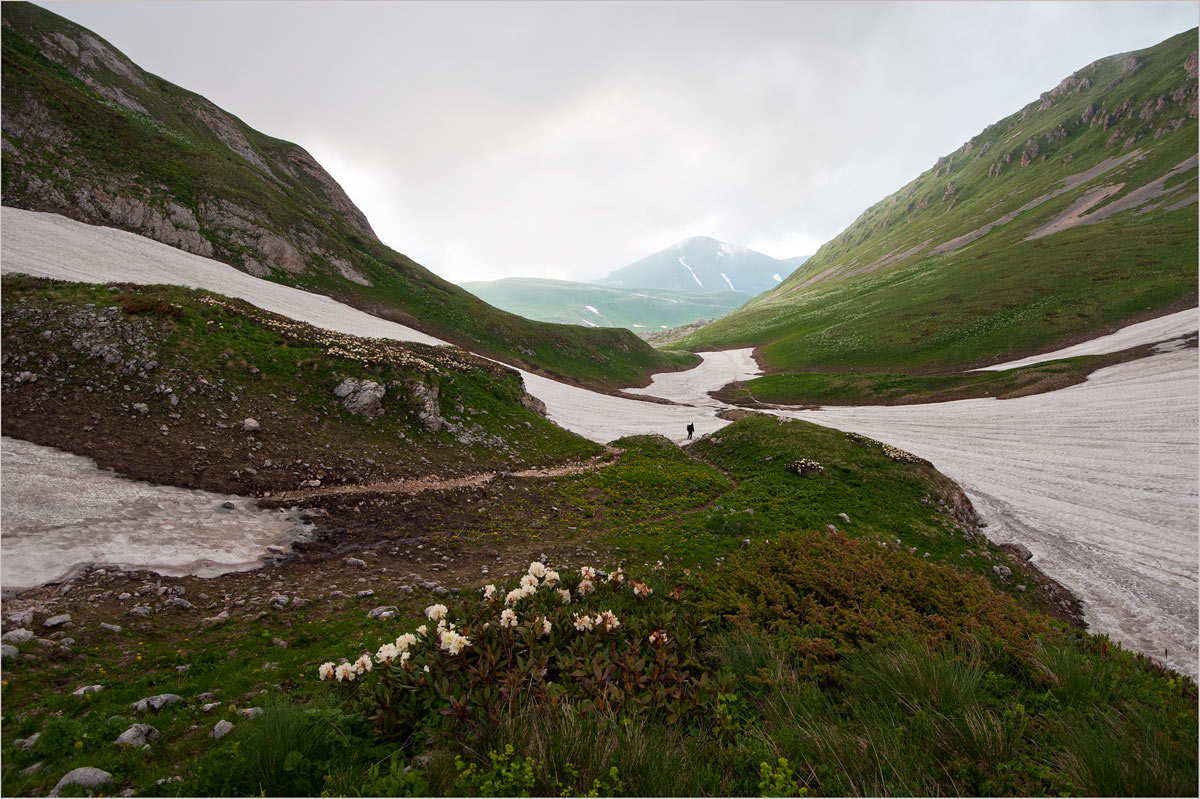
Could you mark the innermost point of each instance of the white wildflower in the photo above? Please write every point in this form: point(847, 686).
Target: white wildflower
point(546, 626)
point(608, 619)
point(489, 593)
point(658, 638)
point(642, 590)
point(588, 573)
point(566, 596)
point(363, 664)
point(405, 641)
point(537, 569)
point(453, 642)
point(551, 577)
point(436, 612)
point(508, 618)
point(583, 622)
point(529, 582)
point(345, 672)
point(326, 671)
point(423, 631)
point(586, 586)
point(387, 653)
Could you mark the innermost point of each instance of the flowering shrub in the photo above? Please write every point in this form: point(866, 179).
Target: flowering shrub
point(619, 646)
point(805, 466)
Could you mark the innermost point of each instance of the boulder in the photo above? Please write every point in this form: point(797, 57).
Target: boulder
point(138, 735)
point(18, 636)
point(362, 397)
point(383, 612)
point(221, 729)
point(155, 703)
point(251, 425)
point(9, 651)
point(87, 689)
point(85, 777)
point(57, 621)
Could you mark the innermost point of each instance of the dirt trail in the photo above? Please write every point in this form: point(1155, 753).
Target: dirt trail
point(434, 483)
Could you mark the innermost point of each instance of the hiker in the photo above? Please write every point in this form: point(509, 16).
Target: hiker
point(691, 429)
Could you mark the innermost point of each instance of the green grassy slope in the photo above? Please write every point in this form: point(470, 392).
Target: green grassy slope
point(959, 268)
point(90, 135)
point(156, 382)
point(567, 302)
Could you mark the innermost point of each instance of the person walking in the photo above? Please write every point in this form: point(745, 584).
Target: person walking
point(691, 428)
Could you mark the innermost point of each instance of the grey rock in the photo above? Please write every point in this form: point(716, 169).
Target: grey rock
point(124, 595)
point(178, 602)
point(355, 562)
point(23, 618)
point(251, 425)
point(363, 397)
point(251, 712)
point(141, 407)
point(27, 377)
point(207, 696)
point(138, 735)
point(221, 729)
point(155, 703)
point(209, 707)
point(227, 505)
point(87, 689)
point(365, 593)
point(85, 777)
point(57, 621)
point(1003, 572)
point(141, 611)
point(31, 770)
point(220, 617)
point(844, 518)
point(112, 628)
point(299, 602)
point(18, 636)
point(383, 612)
point(279, 642)
point(1022, 551)
point(27, 743)
point(9, 651)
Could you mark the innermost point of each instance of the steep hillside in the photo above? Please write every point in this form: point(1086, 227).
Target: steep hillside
point(702, 264)
point(604, 306)
point(1072, 216)
point(88, 134)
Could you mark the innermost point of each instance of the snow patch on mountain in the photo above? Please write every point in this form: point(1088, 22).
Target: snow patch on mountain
point(727, 280)
point(685, 266)
point(593, 310)
point(778, 279)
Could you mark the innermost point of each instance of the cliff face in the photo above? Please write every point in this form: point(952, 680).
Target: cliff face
point(57, 75)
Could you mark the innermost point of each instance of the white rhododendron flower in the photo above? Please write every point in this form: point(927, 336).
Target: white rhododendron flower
point(588, 573)
point(565, 595)
point(586, 586)
point(387, 653)
point(363, 664)
point(453, 642)
point(583, 623)
point(405, 641)
point(551, 577)
point(546, 627)
point(617, 577)
point(423, 631)
point(658, 638)
point(529, 582)
point(489, 592)
point(436, 612)
point(345, 672)
point(508, 618)
point(658, 566)
point(608, 619)
point(517, 594)
point(326, 671)
point(537, 569)
point(642, 590)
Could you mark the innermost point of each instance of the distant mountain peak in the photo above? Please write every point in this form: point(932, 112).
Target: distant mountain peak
point(702, 263)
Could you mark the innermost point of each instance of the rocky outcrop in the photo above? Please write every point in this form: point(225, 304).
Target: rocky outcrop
point(362, 397)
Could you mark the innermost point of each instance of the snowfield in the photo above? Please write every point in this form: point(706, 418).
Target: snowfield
point(1099, 480)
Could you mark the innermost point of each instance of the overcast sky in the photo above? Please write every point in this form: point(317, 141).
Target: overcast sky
point(568, 139)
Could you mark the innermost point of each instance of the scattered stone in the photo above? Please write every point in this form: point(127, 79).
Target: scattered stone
point(1003, 572)
point(844, 518)
point(85, 777)
point(209, 707)
point(18, 636)
point(221, 729)
point(124, 595)
point(299, 602)
point(440, 591)
point(365, 593)
point(9, 651)
point(178, 602)
point(141, 407)
point(31, 770)
point(251, 712)
point(279, 642)
point(112, 628)
point(228, 505)
point(22, 618)
point(364, 397)
point(383, 612)
point(27, 377)
point(155, 703)
point(251, 425)
point(185, 667)
point(165, 780)
point(338, 595)
point(87, 689)
point(220, 617)
point(207, 696)
point(57, 621)
point(1021, 551)
point(138, 735)
point(27, 743)
point(831, 530)
point(355, 562)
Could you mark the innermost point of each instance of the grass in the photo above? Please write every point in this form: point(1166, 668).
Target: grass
point(998, 297)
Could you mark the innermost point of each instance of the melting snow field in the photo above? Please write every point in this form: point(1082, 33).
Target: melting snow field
point(1099, 480)
point(61, 512)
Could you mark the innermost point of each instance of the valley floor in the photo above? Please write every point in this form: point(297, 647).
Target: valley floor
point(1099, 480)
